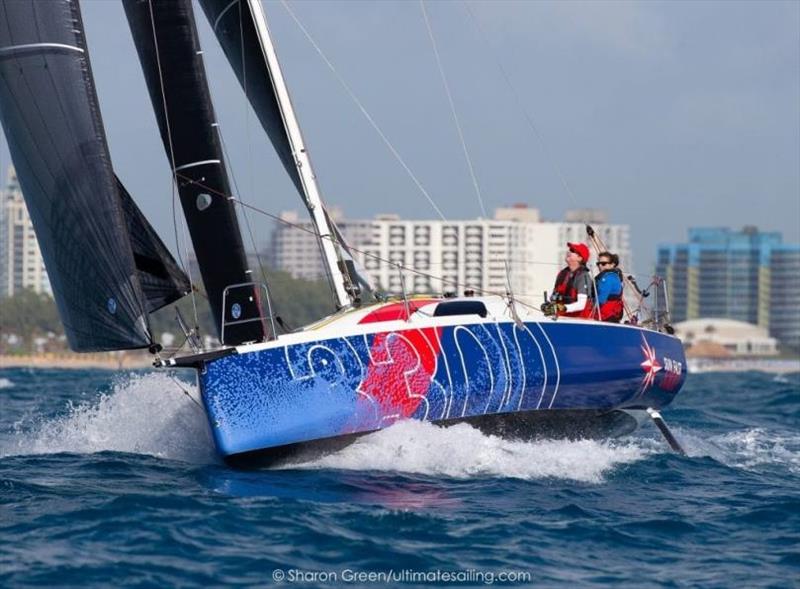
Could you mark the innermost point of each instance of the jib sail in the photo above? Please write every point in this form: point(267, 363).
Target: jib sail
point(50, 114)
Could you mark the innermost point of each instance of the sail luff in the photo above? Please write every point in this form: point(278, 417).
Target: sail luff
point(171, 57)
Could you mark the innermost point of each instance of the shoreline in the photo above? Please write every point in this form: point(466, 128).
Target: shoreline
point(104, 360)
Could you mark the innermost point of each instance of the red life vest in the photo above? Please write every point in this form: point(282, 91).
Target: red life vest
point(613, 309)
point(566, 291)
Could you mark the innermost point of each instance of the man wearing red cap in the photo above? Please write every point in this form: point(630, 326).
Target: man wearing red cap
point(572, 292)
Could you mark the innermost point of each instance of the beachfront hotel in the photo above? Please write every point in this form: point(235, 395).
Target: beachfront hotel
point(442, 256)
point(21, 263)
point(746, 275)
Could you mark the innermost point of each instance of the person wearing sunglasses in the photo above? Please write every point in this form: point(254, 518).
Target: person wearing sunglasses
point(573, 289)
point(608, 286)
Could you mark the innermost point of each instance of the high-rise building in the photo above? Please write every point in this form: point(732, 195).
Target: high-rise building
point(746, 275)
point(21, 264)
point(438, 256)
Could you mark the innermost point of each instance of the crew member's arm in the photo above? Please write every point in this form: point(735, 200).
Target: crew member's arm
point(583, 288)
point(578, 305)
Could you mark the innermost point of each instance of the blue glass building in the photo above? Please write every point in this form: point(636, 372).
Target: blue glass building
point(746, 275)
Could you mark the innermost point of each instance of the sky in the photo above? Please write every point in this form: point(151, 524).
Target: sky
point(666, 114)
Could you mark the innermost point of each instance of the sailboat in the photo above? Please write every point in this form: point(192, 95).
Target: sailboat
point(479, 359)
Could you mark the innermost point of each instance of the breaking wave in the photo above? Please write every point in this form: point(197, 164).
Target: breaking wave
point(6, 383)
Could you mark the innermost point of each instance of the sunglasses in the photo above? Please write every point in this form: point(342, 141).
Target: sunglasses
point(605, 263)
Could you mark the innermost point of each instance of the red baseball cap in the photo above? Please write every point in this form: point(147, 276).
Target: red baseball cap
point(581, 249)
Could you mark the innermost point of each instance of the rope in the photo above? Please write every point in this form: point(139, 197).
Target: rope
point(185, 392)
point(364, 112)
point(248, 138)
point(250, 174)
point(453, 109)
point(244, 212)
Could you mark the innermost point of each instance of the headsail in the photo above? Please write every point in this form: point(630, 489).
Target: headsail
point(169, 50)
point(51, 118)
point(163, 282)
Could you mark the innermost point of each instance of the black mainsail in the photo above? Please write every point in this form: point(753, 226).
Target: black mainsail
point(169, 51)
point(104, 284)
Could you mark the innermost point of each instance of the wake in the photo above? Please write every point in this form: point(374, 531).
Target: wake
point(462, 451)
point(149, 414)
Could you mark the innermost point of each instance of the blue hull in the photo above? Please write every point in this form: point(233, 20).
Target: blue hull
point(282, 395)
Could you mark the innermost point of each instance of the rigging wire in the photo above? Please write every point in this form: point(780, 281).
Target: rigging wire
point(248, 138)
point(364, 111)
point(174, 180)
point(186, 392)
point(411, 269)
point(542, 144)
point(245, 216)
point(453, 109)
point(534, 128)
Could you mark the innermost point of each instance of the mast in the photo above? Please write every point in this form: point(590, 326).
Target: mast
point(302, 160)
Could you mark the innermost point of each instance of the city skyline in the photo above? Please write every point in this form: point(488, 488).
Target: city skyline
point(665, 115)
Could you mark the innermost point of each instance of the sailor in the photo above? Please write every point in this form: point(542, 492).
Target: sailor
point(573, 289)
point(608, 286)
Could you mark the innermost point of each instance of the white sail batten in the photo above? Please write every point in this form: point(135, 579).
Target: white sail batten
point(302, 160)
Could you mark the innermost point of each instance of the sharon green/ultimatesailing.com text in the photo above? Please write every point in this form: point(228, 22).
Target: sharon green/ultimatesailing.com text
point(391, 576)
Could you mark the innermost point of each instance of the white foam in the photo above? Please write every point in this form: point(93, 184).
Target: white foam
point(753, 448)
point(5, 383)
point(462, 451)
point(143, 414)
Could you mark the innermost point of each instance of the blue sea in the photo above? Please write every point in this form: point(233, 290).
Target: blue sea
point(110, 479)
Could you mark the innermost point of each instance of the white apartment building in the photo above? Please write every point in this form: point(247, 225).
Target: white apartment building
point(440, 256)
point(21, 264)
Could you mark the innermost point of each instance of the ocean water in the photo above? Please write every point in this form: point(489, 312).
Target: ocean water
point(109, 480)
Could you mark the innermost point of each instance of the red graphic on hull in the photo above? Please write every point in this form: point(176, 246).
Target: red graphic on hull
point(650, 365)
point(402, 363)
